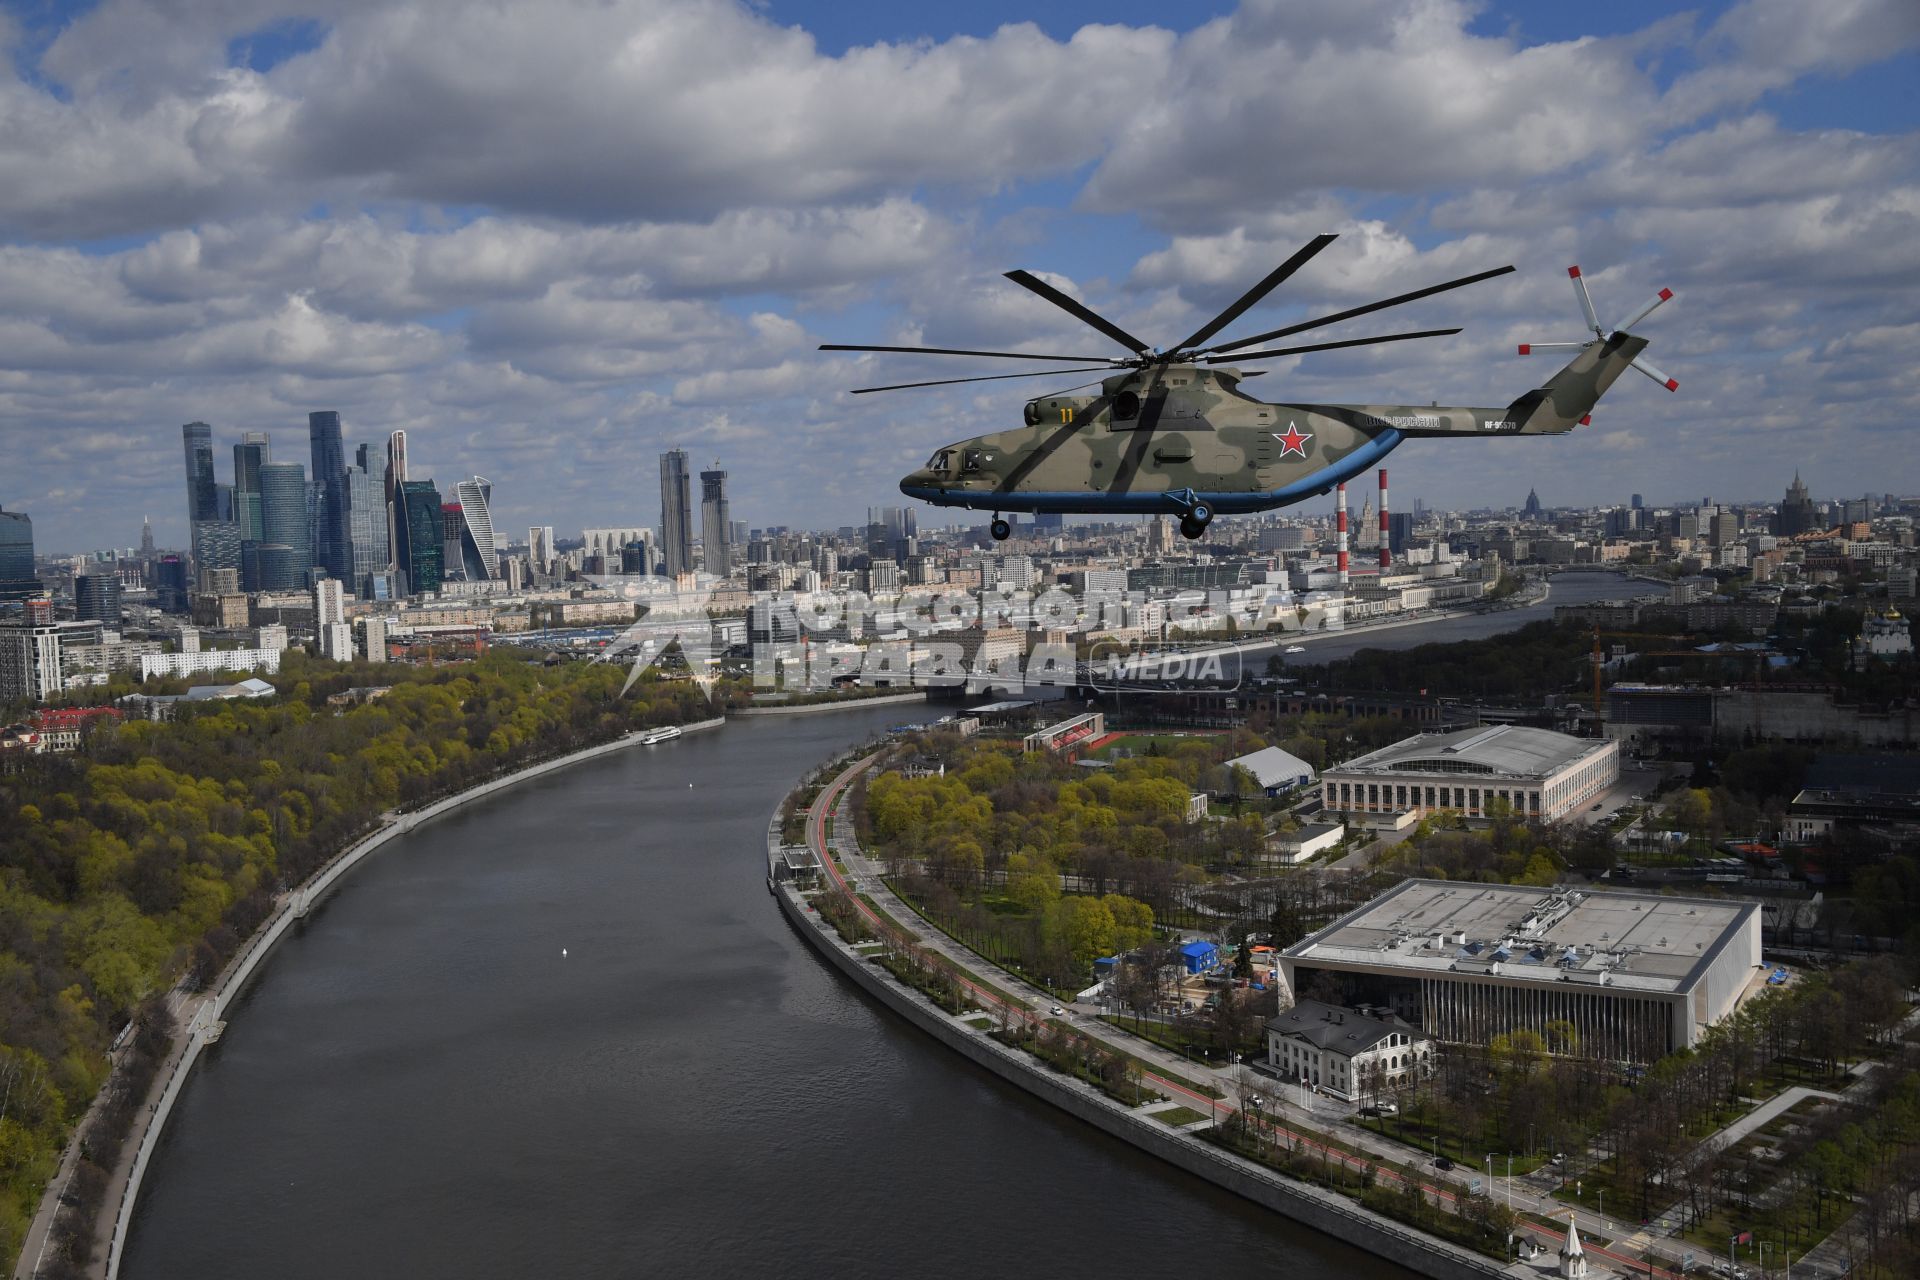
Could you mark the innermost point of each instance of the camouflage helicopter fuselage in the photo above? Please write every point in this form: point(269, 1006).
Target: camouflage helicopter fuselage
point(1187, 440)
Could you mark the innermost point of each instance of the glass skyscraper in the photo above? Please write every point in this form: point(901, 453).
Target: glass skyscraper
point(419, 534)
point(16, 557)
point(248, 456)
point(96, 597)
point(203, 501)
point(479, 558)
point(366, 527)
point(676, 515)
point(332, 546)
point(283, 519)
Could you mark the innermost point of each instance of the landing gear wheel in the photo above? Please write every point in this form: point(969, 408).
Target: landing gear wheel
point(1191, 528)
point(1000, 529)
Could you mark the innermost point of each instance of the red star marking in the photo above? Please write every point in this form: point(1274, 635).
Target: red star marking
point(1293, 441)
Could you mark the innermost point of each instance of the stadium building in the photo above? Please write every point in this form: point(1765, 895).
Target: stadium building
point(1636, 976)
point(1536, 772)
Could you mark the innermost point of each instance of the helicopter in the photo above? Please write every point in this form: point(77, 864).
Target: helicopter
point(1174, 433)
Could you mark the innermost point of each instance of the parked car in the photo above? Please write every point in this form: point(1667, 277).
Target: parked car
point(1057, 1012)
point(1443, 1164)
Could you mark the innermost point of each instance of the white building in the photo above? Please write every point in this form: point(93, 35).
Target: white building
point(33, 657)
point(188, 664)
point(1345, 1052)
point(1290, 847)
point(336, 641)
point(1274, 770)
point(1536, 773)
point(329, 602)
point(374, 638)
point(1635, 976)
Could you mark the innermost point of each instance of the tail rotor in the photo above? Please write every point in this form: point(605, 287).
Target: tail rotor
point(1601, 333)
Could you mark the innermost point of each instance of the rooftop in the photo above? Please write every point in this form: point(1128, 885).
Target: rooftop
point(1270, 766)
point(1327, 1026)
point(1507, 750)
point(1634, 941)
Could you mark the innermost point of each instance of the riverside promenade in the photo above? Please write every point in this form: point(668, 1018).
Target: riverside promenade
point(198, 1016)
point(831, 833)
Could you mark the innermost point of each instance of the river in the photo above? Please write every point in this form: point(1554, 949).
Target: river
point(421, 1083)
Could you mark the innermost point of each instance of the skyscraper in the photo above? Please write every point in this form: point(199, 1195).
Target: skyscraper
point(365, 522)
point(396, 475)
point(420, 531)
point(16, 557)
point(331, 546)
point(146, 538)
point(676, 514)
point(540, 547)
point(283, 523)
point(716, 527)
point(480, 558)
point(202, 494)
point(1532, 509)
point(1797, 512)
point(247, 457)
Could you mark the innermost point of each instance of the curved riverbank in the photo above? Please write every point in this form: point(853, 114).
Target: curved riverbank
point(199, 1014)
point(1325, 1211)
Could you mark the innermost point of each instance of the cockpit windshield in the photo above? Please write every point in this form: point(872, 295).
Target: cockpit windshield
point(941, 461)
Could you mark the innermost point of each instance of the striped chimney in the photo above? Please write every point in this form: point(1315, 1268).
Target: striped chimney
point(1340, 531)
point(1386, 553)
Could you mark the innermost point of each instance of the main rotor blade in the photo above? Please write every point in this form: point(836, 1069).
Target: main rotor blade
point(1328, 346)
point(1382, 305)
point(955, 351)
point(1027, 280)
point(1258, 291)
point(992, 377)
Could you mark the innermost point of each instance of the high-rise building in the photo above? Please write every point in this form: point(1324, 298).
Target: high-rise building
point(202, 493)
point(1637, 503)
point(283, 523)
point(421, 530)
point(479, 557)
point(1399, 531)
point(365, 520)
point(248, 456)
point(96, 596)
point(146, 539)
point(16, 557)
point(331, 547)
point(31, 666)
point(216, 546)
point(395, 476)
point(676, 514)
point(1797, 512)
point(1532, 510)
point(540, 548)
point(170, 584)
point(716, 524)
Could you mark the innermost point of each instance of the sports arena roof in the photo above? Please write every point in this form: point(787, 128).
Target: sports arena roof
point(1507, 750)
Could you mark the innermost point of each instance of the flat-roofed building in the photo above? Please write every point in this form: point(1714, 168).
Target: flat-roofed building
point(1636, 976)
point(1537, 774)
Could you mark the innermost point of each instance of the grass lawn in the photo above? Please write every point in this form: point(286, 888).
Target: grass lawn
point(1179, 1040)
point(1178, 1116)
point(980, 1024)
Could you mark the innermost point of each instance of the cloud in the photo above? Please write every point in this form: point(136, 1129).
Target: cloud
point(550, 241)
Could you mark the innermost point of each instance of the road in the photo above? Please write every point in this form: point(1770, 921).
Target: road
point(1166, 1073)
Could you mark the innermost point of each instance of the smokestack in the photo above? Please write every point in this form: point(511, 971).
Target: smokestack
point(1386, 553)
point(1340, 533)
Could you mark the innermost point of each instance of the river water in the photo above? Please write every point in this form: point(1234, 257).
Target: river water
point(421, 1083)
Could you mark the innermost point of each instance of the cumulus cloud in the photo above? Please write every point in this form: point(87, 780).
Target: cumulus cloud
point(550, 240)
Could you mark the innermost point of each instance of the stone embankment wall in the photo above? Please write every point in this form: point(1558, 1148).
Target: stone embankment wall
point(1322, 1210)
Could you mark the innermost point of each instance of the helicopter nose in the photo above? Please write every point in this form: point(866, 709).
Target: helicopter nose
point(917, 483)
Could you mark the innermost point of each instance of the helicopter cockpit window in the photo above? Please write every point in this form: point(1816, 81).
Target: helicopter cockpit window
point(941, 461)
point(970, 460)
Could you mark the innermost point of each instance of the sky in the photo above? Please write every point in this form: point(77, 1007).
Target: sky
point(552, 240)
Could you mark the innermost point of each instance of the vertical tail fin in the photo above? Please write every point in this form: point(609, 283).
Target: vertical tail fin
point(1570, 394)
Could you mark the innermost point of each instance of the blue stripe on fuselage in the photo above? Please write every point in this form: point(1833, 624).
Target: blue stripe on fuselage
point(1165, 503)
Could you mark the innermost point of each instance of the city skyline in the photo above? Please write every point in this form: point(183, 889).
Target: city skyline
point(285, 225)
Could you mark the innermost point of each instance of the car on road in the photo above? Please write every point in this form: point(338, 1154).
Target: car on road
point(1443, 1164)
point(1296, 648)
point(1596, 808)
point(1057, 1012)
